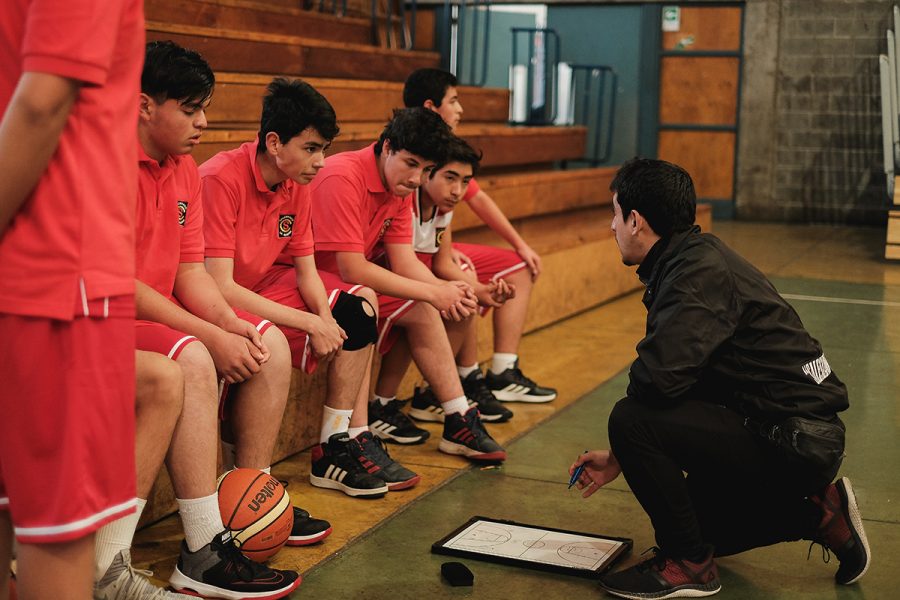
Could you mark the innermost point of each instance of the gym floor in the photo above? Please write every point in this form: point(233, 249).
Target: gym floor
point(847, 296)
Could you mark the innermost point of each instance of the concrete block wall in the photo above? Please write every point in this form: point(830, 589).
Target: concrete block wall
point(811, 91)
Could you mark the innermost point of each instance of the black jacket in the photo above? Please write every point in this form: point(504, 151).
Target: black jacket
point(718, 331)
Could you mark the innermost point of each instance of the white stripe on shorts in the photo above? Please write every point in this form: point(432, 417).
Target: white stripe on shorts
point(85, 523)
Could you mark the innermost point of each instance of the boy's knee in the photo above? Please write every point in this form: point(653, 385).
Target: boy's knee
point(196, 361)
point(160, 379)
point(277, 343)
point(358, 317)
point(624, 416)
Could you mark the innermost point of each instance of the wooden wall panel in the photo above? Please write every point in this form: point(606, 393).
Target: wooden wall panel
point(707, 155)
point(698, 90)
point(712, 28)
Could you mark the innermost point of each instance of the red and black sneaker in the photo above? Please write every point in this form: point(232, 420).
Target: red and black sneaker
point(662, 577)
point(841, 531)
point(334, 467)
point(373, 456)
point(465, 435)
point(307, 530)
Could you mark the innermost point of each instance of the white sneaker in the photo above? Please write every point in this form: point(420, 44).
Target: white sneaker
point(123, 582)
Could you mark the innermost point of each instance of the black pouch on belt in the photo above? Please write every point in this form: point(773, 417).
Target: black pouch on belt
point(817, 443)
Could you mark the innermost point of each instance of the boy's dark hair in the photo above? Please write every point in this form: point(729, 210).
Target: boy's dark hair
point(290, 107)
point(427, 84)
point(417, 130)
point(171, 71)
point(459, 151)
point(661, 192)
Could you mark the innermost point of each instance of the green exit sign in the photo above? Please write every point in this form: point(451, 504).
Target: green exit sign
point(671, 18)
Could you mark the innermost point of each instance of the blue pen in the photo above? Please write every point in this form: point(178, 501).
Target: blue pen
point(578, 471)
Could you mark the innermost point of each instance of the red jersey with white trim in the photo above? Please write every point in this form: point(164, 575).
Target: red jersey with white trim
point(77, 226)
point(169, 219)
point(428, 230)
point(353, 212)
point(245, 220)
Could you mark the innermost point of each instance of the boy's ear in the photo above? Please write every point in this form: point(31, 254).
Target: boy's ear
point(429, 104)
point(146, 106)
point(272, 141)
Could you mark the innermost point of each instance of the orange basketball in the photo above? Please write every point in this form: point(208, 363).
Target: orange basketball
point(257, 510)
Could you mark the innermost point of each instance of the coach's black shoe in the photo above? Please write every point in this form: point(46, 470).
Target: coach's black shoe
point(465, 435)
point(426, 406)
point(513, 386)
point(389, 423)
point(841, 531)
point(307, 530)
point(491, 409)
point(220, 570)
point(335, 468)
point(374, 458)
point(662, 577)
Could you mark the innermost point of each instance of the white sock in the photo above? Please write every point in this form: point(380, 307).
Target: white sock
point(503, 361)
point(355, 431)
point(114, 537)
point(333, 421)
point(465, 371)
point(457, 405)
point(267, 470)
point(228, 456)
point(383, 399)
point(200, 519)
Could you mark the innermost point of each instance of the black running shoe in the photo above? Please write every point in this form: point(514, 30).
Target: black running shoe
point(841, 531)
point(390, 424)
point(465, 435)
point(369, 450)
point(490, 409)
point(307, 530)
point(335, 468)
point(512, 386)
point(220, 570)
point(663, 577)
point(426, 407)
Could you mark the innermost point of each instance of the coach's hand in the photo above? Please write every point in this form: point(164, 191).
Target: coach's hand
point(600, 467)
point(243, 328)
point(233, 355)
point(326, 338)
point(531, 258)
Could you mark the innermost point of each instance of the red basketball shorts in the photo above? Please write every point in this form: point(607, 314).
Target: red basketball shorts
point(491, 263)
point(67, 426)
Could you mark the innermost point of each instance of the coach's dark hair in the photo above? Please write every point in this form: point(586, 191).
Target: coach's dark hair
point(459, 151)
point(427, 84)
point(417, 130)
point(290, 107)
point(171, 71)
point(661, 192)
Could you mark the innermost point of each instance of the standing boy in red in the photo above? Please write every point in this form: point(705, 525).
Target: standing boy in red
point(362, 213)
point(259, 248)
point(184, 316)
point(436, 90)
point(69, 72)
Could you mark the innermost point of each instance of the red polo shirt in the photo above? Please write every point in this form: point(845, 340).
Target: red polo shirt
point(169, 219)
point(247, 221)
point(353, 212)
point(78, 223)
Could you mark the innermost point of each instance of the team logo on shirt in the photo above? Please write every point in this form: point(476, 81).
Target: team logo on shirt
point(182, 212)
point(439, 236)
point(285, 226)
point(384, 228)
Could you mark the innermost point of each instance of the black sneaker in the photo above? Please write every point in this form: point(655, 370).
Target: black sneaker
point(390, 424)
point(307, 530)
point(369, 450)
point(512, 386)
point(841, 531)
point(465, 435)
point(426, 407)
point(220, 570)
point(490, 409)
point(333, 467)
point(661, 577)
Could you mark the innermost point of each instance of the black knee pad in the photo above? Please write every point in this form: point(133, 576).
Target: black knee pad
point(356, 316)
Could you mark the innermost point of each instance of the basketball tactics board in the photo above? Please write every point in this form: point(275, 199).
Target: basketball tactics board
point(542, 548)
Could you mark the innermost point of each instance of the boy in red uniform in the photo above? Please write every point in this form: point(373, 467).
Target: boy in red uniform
point(362, 217)
point(259, 248)
point(185, 317)
point(436, 90)
point(68, 74)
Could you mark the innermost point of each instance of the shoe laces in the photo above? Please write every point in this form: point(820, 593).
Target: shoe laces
point(657, 561)
point(374, 449)
point(245, 568)
point(520, 378)
point(137, 585)
point(478, 391)
point(826, 552)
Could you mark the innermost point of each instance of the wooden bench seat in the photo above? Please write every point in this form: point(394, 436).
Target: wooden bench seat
point(254, 52)
point(236, 103)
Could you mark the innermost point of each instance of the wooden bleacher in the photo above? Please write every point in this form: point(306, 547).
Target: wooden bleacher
point(563, 214)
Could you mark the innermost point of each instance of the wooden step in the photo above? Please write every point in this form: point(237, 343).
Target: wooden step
point(502, 146)
point(253, 52)
point(247, 15)
point(892, 244)
point(236, 104)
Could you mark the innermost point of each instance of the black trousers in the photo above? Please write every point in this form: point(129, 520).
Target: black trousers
point(704, 478)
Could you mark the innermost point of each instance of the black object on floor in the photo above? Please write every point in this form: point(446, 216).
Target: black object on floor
point(457, 574)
